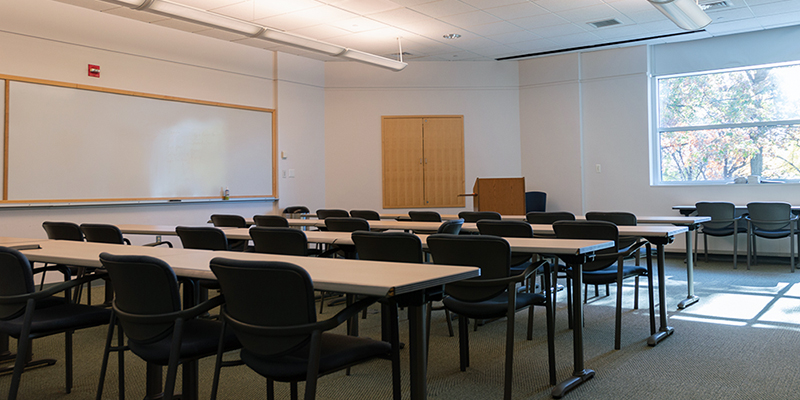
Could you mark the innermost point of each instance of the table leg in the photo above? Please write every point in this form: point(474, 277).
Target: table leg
point(417, 350)
point(690, 298)
point(579, 374)
point(664, 330)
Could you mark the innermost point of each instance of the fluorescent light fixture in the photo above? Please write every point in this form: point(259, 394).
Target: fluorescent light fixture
point(372, 59)
point(684, 13)
point(218, 21)
point(202, 17)
point(299, 41)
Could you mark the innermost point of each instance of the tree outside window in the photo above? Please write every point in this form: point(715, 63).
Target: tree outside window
point(715, 127)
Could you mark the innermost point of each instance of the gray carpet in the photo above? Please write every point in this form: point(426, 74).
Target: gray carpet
point(739, 342)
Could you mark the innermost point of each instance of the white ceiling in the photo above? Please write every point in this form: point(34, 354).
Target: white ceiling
point(489, 29)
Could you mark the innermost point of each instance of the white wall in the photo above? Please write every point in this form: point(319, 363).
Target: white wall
point(54, 41)
point(583, 109)
point(356, 96)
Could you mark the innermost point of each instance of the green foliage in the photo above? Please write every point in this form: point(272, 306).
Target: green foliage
point(753, 97)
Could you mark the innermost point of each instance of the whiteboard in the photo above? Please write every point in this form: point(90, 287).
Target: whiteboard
point(68, 144)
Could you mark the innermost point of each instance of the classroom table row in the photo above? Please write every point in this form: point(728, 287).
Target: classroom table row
point(574, 252)
point(690, 223)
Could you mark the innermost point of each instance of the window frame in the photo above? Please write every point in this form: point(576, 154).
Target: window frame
point(656, 130)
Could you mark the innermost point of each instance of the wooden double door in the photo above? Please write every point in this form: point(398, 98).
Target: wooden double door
point(423, 161)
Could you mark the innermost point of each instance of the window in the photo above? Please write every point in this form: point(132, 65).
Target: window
point(714, 127)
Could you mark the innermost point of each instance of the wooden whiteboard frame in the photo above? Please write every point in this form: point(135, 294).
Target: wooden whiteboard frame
point(7, 79)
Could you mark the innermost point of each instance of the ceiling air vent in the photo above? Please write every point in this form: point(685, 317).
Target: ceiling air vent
point(604, 23)
point(711, 5)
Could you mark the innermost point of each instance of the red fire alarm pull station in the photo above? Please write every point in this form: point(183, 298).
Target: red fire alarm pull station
point(94, 71)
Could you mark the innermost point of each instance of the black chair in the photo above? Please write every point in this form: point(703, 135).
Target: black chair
point(608, 265)
point(271, 220)
point(619, 218)
point(147, 306)
point(535, 201)
point(27, 314)
point(296, 210)
point(547, 218)
point(279, 240)
point(771, 220)
point(203, 238)
point(103, 233)
point(368, 215)
point(231, 221)
point(395, 247)
point(425, 216)
point(66, 231)
point(519, 261)
point(724, 222)
point(324, 213)
point(475, 216)
point(452, 226)
point(346, 224)
point(491, 295)
point(270, 308)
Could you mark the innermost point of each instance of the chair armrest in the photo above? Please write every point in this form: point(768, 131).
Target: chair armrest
point(505, 280)
point(304, 329)
point(159, 243)
point(51, 290)
point(157, 319)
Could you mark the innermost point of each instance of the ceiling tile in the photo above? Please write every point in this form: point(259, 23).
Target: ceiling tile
point(538, 21)
point(443, 8)
point(398, 16)
point(305, 18)
point(589, 14)
point(358, 24)
point(495, 28)
point(563, 5)
point(320, 31)
point(558, 30)
point(515, 37)
point(484, 4)
point(468, 19)
point(520, 10)
point(364, 7)
point(252, 10)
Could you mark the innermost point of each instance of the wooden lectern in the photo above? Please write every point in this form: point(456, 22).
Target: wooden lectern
point(503, 195)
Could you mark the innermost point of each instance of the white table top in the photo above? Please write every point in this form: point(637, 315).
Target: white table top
point(339, 275)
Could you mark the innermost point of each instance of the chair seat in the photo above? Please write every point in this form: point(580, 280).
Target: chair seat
point(776, 234)
point(609, 274)
point(337, 351)
point(200, 338)
point(494, 308)
point(723, 231)
point(53, 315)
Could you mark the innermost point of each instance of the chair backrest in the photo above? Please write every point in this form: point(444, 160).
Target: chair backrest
point(143, 286)
point(388, 246)
point(369, 215)
point(425, 216)
point(346, 224)
point(17, 279)
point(202, 238)
point(590, 230)
point(229, 221)
point(102, 233)
point(535, 201)
point(491, 254)
point(770, 216)
point(62, 231)
point(271, 220)
point(617, 217)
point(325, 213)
point(263, 293)
point(279, 240)
point(475, 216)
point(722, 213)
point(452, 226)
point(536, 217)
point(296, 210)
point(505, 228)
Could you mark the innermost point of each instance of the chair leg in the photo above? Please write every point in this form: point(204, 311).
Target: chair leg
point(104, 364)
point(68, 360)
point(635, 293)
point(509, 367)
point(463, 341)
point(705, 246)
point(23, 344)
point(569, 302)
point(550, 318)
point(618, 321)
point(172, 366)
point(449, 319)
point(530, 323)
point(217, 362)
point(293, 389)
point(270, 389)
